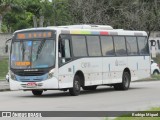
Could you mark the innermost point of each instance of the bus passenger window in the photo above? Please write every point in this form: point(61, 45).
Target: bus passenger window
point(120, 46)
point(143, 46)
point(66, 48)
point(107, 46)
point(132, 47)
point(93, 46)
point(79, 46)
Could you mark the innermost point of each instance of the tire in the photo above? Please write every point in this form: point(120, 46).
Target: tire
point(125, 82)
point(37, 92)
point(75, 91)
point(90, 87)
point(155, 72)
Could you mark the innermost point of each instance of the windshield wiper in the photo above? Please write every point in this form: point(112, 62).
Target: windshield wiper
point(22, 49)
point(40, 48)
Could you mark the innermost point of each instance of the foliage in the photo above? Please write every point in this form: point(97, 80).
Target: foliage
point(125, 14)
point(121, 14)
point(6, 6)
point(155, 77)
point(3, 67)
point(157, 59)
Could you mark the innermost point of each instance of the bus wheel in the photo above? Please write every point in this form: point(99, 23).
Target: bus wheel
point(75, 91)
point(37, 92)
point(90, 87)
point(125, 82)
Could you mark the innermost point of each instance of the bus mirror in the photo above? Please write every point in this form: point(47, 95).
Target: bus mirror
point(6, 48)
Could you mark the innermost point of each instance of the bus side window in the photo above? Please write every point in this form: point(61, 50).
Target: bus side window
point(67, 51)
point(64, 50)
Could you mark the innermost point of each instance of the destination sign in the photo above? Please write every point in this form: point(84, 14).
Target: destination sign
point(32, 35)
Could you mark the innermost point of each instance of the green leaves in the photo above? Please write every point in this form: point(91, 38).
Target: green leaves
point(125, 14)
point(19, 14)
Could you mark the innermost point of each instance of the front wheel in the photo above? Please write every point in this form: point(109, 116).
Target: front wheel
point(125, 82)
point(37, 92)
point(75, 91)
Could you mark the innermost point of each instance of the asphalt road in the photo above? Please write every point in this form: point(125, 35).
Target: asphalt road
point(140, 96)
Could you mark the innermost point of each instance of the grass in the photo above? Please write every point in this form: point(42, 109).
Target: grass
point(3, 68)
point(157, 59)
point(155, 77)
point(139, 118)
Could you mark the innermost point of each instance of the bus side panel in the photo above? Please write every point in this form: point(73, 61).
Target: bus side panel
point(90, 67)
point(120, 63)
point(140, 67)
point(108, 69)
point(66, 75)
point(93, 68)
point(132, 65)
point(113, 68)
point(144, 67)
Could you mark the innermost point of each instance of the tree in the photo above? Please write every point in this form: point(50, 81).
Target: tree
point(121, 14)
point(61, 12)
point(124, 14)
point(6, 6)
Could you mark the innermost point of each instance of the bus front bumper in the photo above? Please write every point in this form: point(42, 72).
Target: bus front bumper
point(48, 84)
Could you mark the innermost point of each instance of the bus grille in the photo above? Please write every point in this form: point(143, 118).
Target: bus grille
point(30, 73)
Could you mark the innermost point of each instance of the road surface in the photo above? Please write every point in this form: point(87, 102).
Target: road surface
point(140, 96)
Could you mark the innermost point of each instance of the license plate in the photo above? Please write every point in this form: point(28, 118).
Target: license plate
point(31, 84)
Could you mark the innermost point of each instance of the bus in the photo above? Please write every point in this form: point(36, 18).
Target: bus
point(77, 56)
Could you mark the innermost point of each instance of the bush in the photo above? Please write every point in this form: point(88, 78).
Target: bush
point(3, 68)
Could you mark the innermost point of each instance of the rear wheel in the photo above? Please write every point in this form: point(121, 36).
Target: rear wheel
point(75, 91)
point(37, 92)
point(90, 87)
point(125, 82)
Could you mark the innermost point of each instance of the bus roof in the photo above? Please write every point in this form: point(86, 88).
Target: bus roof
point(88, 29)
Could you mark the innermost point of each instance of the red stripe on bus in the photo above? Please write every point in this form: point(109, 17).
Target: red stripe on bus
point(103, 33)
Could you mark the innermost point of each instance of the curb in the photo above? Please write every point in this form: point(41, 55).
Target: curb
point(147, 80)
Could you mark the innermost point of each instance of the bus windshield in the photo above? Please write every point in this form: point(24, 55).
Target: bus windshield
point(39, 53)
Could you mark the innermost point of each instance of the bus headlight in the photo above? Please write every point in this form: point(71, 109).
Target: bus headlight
point(51, 73)
point(12, 75)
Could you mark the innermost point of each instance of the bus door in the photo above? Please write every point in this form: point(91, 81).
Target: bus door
point(65, 69)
